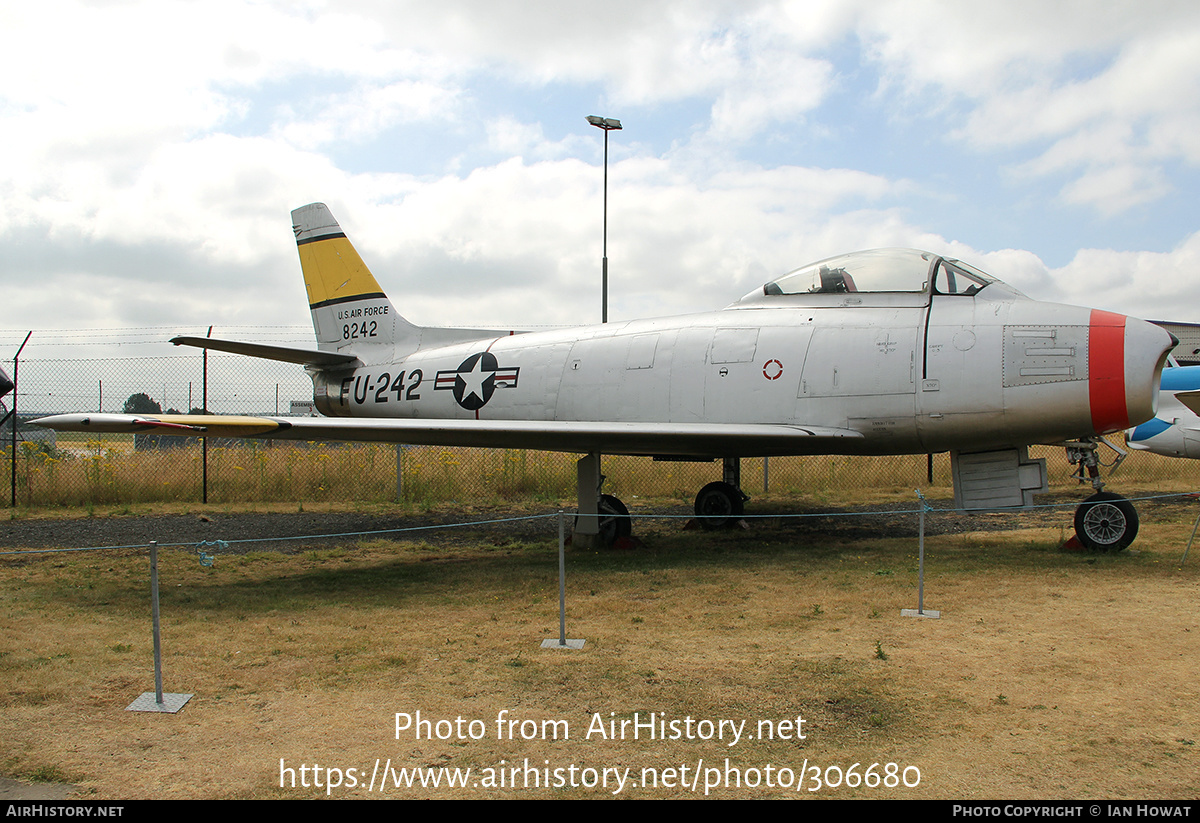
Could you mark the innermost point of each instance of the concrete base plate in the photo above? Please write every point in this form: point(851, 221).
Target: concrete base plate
point(930, 613)
point(554, 644)
point(147, 703)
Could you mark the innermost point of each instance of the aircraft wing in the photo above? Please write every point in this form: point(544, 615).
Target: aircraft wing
point(673, 439)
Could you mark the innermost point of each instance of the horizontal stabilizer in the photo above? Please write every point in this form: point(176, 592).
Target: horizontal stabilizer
point(1191, 399)
point(674, 439)
point(285, 354)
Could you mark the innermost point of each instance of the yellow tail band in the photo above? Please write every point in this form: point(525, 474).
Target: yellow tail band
point(333, 271)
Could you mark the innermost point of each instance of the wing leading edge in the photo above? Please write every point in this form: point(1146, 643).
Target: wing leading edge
point(667, 439)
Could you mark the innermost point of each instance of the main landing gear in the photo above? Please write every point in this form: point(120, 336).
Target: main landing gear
point(1105, 521)
point(611, 519)
point(603, 520)
point(721, 504)
point(614, 519)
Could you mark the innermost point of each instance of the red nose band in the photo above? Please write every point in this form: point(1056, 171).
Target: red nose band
point(1106, 371)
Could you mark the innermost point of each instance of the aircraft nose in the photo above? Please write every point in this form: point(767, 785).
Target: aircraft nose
point(1125, 362)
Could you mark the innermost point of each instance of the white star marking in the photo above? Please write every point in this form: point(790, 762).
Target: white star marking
point(474, 380)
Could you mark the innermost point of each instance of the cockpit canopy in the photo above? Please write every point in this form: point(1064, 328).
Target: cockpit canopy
point(895, 271)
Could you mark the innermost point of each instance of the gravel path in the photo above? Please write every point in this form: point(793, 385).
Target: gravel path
point(263, 531)
point(255, 531)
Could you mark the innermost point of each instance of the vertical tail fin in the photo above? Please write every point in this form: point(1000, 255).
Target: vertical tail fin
point(350, 312)
point(349, 309)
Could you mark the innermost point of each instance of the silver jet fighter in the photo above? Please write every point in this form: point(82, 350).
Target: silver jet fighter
point(890, 351)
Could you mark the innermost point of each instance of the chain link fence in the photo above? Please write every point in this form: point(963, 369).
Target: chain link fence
point(74, 470)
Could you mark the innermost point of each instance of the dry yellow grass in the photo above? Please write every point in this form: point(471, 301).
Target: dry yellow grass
point(1050, 675)
point(92, 472)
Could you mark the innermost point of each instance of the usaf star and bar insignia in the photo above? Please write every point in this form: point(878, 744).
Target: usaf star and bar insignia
point(476, 379)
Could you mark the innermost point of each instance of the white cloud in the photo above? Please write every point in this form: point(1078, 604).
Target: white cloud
point(1106, 93)
point(161, 132)
point(1154, 285)
point(644, 51)
point(771, 88)
point(1151, 285)
point(524, 239)
point(364, 113)
point(1117, 188)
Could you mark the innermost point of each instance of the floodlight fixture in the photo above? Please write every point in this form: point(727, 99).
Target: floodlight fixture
point(607, 124)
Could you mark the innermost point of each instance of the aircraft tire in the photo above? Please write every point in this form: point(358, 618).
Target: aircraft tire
point(1106, 522)
point(614, 520)
point(719, 505)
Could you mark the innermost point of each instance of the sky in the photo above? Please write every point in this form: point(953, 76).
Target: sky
point(154, 150)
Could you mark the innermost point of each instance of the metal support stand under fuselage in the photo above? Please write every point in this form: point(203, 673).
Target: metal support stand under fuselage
point(587, 524)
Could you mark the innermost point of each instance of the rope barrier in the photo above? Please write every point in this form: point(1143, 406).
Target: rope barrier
point(925, 507)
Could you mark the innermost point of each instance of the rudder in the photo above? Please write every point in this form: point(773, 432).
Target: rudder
point(349, 309)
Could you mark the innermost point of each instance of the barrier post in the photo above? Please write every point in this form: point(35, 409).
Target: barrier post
point(562, 642)
point(920, 610)
point(157, 702)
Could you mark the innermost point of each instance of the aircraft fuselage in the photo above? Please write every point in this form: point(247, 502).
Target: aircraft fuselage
point(909, 372)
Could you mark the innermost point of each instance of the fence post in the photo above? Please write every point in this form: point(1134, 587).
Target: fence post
point(204, 440)
point(13, 415)
point(399, 473)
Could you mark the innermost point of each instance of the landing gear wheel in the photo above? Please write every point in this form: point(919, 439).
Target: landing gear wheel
point(719, 505)
point(614, 520)
point(1106, 522)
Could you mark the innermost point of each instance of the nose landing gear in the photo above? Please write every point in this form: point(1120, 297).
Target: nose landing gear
point(1105, 521)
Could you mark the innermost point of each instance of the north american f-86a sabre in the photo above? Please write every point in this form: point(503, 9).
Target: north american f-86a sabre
point(889, 351)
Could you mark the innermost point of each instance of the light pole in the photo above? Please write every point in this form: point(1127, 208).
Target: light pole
point(606, 124)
